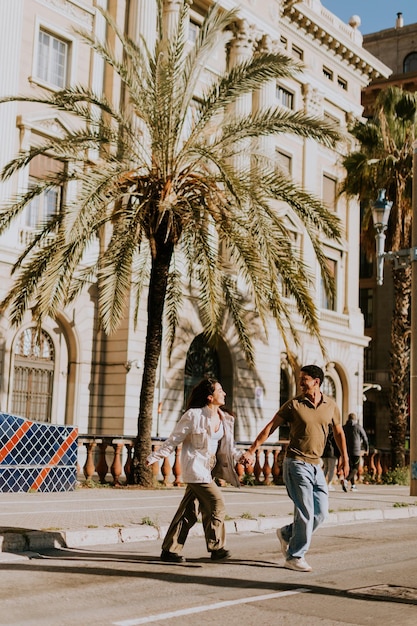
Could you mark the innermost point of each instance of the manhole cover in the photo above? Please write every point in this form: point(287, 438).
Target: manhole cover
point(390, 591)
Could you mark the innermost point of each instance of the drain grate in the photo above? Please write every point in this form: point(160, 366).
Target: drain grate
point(388, 591)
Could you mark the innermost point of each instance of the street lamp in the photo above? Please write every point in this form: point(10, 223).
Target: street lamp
point(380, 214)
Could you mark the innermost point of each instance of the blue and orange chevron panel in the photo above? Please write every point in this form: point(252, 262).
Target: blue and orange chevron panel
point(35, 456)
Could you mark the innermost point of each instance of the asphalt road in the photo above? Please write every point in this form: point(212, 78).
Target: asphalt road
point(363, 574)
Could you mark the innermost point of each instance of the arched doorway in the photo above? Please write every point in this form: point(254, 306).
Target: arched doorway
point(203, 360)
point(33, 375)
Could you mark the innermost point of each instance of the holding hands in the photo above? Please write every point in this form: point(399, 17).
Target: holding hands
point(247, 458)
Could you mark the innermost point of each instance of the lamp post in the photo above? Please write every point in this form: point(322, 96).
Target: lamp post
point(380, 214)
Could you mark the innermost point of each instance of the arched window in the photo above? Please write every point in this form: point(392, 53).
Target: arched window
point(329, 388)
point(410, 63)
point(202, 361)
point(33, 375)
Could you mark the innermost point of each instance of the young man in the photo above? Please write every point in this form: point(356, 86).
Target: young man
point(309, 415)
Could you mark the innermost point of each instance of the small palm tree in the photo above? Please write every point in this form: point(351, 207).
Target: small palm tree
point(165, 192)
point(384, 160)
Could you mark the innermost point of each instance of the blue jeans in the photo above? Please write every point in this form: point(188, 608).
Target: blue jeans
point(307, 488)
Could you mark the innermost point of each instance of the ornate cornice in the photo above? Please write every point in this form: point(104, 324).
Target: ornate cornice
point(74, 10)
point(340, 43)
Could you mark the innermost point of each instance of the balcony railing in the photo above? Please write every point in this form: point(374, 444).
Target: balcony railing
point(108, 460)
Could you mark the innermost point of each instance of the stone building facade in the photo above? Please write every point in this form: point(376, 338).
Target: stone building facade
point(75, 374)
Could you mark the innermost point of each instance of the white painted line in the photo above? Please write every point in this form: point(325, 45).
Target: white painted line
point(207, 607)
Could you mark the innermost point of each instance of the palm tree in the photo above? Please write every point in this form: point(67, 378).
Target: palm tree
point(384, 160)
point(165, 193)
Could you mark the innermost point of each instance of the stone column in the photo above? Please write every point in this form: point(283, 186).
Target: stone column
point(264, 98)
point(240, 49)
point(313, 105)
point(142, 22)
point(11, 24)
point(170, 14)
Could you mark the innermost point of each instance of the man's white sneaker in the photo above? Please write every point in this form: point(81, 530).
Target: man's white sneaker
point(299, 565)
point(284, 544)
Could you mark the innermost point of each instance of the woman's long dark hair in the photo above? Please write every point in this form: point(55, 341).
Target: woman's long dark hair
point(200, 393)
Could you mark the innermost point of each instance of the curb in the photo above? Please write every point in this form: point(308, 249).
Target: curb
point(14, 541)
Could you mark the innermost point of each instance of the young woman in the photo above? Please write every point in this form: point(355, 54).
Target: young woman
point(206, 435)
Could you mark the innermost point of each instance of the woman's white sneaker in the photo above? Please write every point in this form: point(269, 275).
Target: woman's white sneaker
point(299, 565)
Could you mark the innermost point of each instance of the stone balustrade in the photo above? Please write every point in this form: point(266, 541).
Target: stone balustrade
point(109, 459)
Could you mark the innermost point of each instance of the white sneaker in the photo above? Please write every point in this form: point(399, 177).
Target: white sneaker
point(284, 544)
point(299, 565)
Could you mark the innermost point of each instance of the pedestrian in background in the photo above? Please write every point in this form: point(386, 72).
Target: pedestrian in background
point(207, 437)
point(330, 458)
point(356, 442)
point(309, 416)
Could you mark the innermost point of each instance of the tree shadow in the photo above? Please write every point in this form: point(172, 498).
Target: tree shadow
point(190, 572)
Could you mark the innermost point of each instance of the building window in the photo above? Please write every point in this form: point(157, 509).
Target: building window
point(342, 83)
point(52, 59)
point(285, 97)
point(191, 117)
point(327, 301)
point(284, 162)
point(284, 41)
point(329, 192)
point(297, 52)
point(327, 73)
point(42, 208)
point(410, 63)
point(368, 358)
point(329, 387)
point(366, 305)
point(33, 375)
point(47, 204)
point(193, 31)
point(294, 236)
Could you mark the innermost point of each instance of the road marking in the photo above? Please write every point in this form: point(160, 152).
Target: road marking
point(207, 607)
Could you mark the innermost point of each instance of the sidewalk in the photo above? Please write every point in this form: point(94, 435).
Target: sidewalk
point(87, 517)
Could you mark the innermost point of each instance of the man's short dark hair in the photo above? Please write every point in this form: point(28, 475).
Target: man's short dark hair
point(314, 371)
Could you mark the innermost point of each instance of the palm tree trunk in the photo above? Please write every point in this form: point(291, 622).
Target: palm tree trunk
point(399, 365)
point(141, 474)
